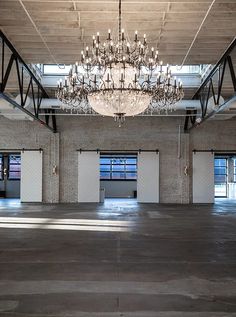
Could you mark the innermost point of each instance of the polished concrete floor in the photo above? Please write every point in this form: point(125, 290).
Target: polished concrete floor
point(117, 259)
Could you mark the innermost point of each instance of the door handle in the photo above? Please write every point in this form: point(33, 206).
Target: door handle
point(5, 172)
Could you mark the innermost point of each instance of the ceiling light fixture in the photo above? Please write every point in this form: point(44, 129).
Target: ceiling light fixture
point(119, 78)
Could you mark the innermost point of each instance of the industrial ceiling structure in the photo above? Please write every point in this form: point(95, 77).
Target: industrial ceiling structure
point(185, 32)
point(67, 26)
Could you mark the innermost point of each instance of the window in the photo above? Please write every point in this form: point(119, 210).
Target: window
point(220, 170)
point(53, 69)
point(1, 167)
point(118, 167)
point(234, 159)
point(221, 175)
point(14, 167)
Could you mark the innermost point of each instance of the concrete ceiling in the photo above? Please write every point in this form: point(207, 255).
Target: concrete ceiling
point(67, 27)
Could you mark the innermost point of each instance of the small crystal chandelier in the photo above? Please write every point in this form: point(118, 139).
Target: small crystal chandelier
point(119, 78)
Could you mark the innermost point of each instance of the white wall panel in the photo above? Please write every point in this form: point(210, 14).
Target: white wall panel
point(88, 176)
point(148, 177)
point(31, 176)
point(203, 177)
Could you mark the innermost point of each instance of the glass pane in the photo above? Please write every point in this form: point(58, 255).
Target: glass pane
point(105, 161)
point(118, 168)
point(15, 168)
point(220, 170)
point(105, 168)
point(119, 160)
point(220, 162)
point(131, 175)
point(220, 178)
point(14, 175)
point(131, 161)
point(118, 175)
point(131, 168)
point(105, 175)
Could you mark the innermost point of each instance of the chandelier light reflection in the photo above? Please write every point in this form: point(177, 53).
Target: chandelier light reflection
point(119, 78)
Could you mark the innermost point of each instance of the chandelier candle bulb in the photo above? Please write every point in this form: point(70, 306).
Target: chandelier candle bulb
point(109, 34)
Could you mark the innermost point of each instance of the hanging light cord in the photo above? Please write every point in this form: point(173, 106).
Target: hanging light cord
point(39, 33)
point(198, 31)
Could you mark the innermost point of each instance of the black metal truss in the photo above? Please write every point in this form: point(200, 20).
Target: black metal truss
point(34, 88)
point(207, 90)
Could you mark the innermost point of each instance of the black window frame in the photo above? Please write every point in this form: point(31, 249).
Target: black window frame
point(126, 171)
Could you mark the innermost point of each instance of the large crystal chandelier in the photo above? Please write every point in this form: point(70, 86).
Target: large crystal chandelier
point(119, 78)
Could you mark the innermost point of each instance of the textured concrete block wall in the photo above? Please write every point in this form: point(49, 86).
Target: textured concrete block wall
point(103, 133)
point(137, 133)
point(32, 135)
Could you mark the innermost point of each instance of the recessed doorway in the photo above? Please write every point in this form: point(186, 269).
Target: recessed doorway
point(118, 175)
point(225, 176)
point(10, 175)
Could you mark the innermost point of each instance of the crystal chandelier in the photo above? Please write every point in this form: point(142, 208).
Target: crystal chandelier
point(119, 78)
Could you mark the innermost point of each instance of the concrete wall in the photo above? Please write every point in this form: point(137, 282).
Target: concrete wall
point(103, 133)
point(31, 135)
point(145, 133)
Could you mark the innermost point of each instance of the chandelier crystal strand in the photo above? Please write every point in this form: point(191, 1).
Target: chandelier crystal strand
point(119, 78)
